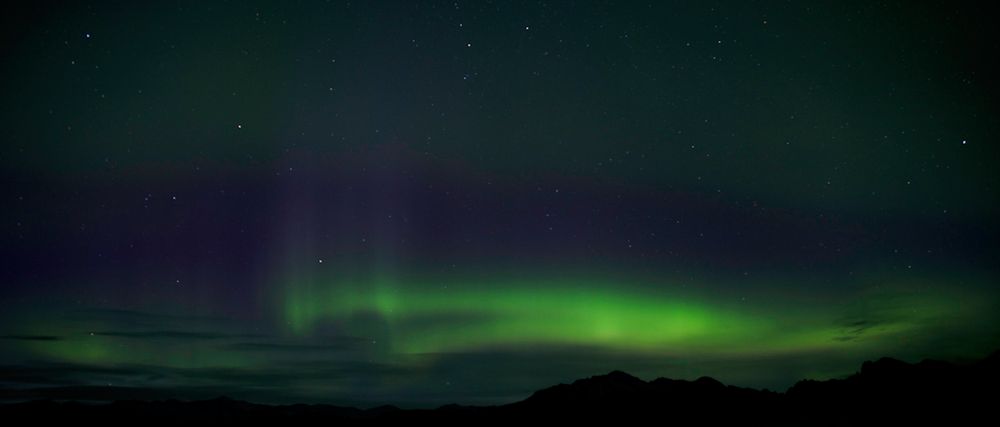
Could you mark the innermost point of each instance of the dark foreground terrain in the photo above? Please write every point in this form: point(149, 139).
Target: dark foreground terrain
point(883, 391)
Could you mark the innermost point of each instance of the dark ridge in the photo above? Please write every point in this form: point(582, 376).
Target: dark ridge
point(882, 391)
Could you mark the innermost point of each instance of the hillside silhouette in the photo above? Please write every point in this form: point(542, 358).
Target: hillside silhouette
point(882, 391)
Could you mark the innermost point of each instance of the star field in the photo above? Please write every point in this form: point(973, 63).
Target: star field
point(421, 203)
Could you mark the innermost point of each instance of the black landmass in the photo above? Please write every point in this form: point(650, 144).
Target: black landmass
point(885, 391)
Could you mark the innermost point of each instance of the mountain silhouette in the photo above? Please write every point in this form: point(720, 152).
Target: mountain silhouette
point(883, 391)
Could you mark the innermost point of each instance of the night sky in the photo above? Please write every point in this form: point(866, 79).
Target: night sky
point(420, 203)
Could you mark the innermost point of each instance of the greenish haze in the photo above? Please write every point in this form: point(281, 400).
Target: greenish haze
point(420, 318)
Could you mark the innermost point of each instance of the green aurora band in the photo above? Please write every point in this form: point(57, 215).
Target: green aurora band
point(415, 330)
point(423, 318)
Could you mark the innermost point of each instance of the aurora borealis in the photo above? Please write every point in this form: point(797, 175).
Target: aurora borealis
point(420, 203)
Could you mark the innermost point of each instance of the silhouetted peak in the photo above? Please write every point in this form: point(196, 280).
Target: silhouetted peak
point(612, 380)
point(618, 376)
point(224, 402)
point(708, 382)
point(616, 381)
point(611, 386)
point(934, 364)
point(883, 365)
point(992, 359)
point(391, 408)
point(886, 389)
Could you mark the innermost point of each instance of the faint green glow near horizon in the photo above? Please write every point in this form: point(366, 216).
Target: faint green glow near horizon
point(94, 341)
point(419, 316)
point(98, 350)
point(454, 318)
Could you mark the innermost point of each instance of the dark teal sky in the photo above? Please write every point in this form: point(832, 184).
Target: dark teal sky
point(432, 202)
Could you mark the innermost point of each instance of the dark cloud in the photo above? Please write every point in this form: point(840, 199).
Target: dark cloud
point(276, 383)
point(340, 344)
point(860, 326)
point(854, 329)
point(174, 335)
point(119, 314)
point(30, 337)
